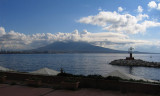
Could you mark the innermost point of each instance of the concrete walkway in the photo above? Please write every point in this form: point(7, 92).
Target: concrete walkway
point(16, 90)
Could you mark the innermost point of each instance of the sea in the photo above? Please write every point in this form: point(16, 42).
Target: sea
point(80, 63)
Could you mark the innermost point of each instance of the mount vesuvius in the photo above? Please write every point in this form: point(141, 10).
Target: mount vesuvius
point(74, 47)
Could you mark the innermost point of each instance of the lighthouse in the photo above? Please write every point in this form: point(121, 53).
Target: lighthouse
point(130, 51)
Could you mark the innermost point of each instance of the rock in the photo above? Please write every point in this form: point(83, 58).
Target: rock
point(135, 62)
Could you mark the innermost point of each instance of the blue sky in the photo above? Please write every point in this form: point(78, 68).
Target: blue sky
point(28, 24)
point(27, 16)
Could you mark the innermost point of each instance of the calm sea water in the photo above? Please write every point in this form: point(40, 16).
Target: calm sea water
point(84, 64)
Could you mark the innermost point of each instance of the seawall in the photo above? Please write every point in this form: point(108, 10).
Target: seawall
point(54, 82)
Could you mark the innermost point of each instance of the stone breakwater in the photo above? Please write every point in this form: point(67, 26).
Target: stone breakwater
point(136, 62)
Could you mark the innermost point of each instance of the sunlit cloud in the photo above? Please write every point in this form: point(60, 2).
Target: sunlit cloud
point(126, 23)
point(140, 9)
point(19, 41)
point(120, 9)
point(152, 4)
point(158, 6)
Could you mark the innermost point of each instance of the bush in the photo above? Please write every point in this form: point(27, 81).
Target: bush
point(95, 76)
point(113, 78)
point(65, 74)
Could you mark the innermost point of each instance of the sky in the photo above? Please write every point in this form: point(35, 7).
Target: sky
point(115, 24)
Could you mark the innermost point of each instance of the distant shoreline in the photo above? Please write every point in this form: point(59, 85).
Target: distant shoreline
point(15, 52)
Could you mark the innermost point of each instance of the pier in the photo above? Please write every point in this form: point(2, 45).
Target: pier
point(135, 62)
point(130, 61)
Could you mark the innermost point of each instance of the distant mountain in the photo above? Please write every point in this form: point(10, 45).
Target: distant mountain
point(74, 47)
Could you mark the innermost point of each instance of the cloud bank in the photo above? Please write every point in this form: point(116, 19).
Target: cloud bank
point(115, 22)
point(19, 41)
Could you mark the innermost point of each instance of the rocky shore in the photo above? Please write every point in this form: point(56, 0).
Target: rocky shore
point(136, 62)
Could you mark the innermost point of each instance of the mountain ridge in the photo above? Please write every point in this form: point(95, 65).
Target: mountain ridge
point(70, 47)
point(75, 47)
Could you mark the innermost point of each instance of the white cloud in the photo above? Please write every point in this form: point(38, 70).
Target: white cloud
point(152, 4)
point(158, 8)
point(120, 9)
point(126, 23)
point(99, 9)
point(140, 17)
point(14, 40)
point(2, 31)
point(140, 9)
